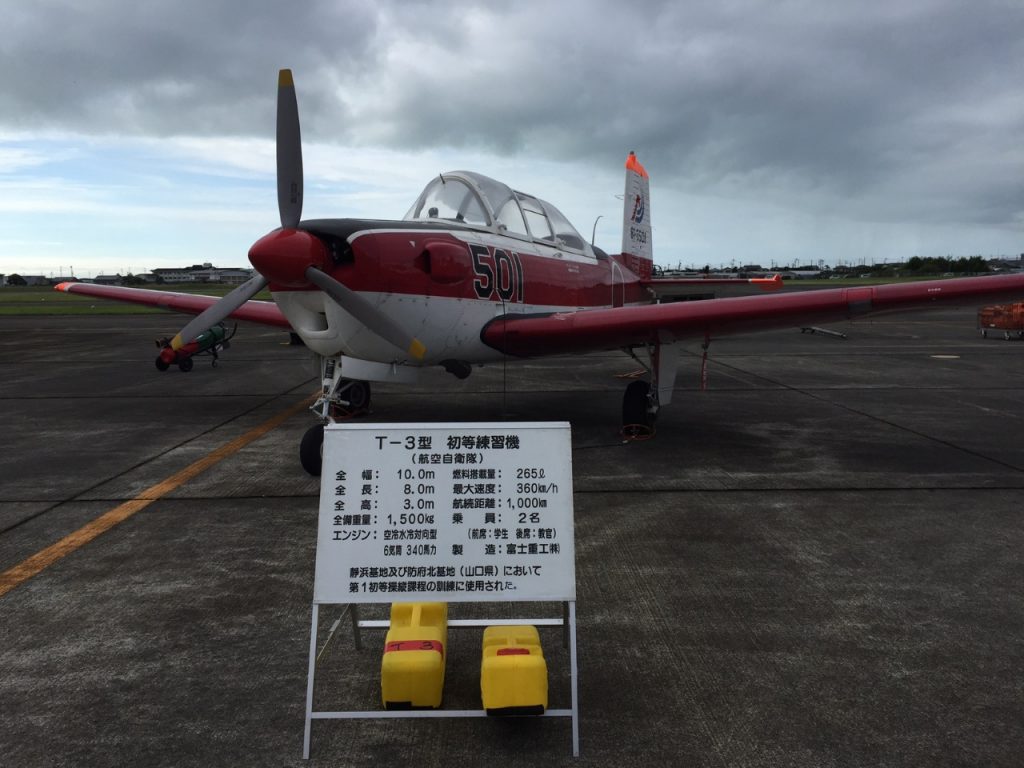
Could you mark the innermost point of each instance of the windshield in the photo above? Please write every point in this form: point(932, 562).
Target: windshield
point(565, 234)
point(481, 201)
point(450, 198)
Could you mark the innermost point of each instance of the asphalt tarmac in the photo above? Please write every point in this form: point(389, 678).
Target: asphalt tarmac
point(816, 562)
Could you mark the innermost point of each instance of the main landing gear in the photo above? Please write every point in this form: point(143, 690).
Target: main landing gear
point(339, 399)
point(638, 411)
point(643, 399)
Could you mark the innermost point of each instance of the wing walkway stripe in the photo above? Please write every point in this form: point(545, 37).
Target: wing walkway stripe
point(43, 559)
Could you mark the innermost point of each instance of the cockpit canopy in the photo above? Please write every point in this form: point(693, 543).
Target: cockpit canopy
point(480, 202)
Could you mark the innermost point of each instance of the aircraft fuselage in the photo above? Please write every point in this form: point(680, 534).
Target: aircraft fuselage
point(443, 283)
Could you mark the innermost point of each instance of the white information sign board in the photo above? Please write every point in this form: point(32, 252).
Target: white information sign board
point(446, 512)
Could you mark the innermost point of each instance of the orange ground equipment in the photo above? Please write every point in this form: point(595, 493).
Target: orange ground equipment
point(1005, 318)
point(513, 673)
point(412, 669)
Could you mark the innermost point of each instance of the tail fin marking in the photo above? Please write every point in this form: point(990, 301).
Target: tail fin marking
point(636, 219)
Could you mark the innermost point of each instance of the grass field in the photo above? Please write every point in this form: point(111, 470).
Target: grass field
point(44, 300)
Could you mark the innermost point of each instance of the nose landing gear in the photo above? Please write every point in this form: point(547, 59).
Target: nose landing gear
point(311, 450)
point(340, 399)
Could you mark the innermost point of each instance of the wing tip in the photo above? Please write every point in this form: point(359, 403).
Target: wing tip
point(772, 283)
point(284, 79)
point(65, 286)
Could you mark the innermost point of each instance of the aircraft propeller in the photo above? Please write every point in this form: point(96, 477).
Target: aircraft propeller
point(289, 152)
point(366, 313)
point(219, 311)
point(291, 256)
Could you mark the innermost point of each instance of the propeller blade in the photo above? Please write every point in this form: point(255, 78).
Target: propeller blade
point(289, 152)
point(216, 312)
point(366, 313)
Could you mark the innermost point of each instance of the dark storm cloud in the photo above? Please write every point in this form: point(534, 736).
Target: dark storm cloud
point(889, 107)
point(857, 102)
point(159, 68)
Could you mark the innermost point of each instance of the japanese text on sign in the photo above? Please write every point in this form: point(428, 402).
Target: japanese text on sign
point(449, 512)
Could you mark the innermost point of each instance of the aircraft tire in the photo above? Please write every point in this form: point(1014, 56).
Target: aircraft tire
point(634, 404)
point(161, 364)
point(311, 450)
point(358, 395)
point(185, 364)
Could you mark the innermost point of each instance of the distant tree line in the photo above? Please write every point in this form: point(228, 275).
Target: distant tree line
point(938, 265)
point(930, 265)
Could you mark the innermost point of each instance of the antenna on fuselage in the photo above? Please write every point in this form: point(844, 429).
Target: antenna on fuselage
point(593, 234)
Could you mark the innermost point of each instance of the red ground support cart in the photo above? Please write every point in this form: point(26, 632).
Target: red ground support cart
point(1008, 318)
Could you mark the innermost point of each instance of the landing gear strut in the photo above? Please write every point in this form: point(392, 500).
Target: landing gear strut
point(638, 412)
point(340, 399)
point(643, 399)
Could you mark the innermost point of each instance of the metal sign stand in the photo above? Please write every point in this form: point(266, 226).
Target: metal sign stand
point(569, 624)
point(448, 513)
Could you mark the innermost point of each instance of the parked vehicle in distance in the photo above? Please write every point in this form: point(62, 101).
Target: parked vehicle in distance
point(1008, 318)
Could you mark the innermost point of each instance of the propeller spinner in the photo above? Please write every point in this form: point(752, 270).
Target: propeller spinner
point(290, 256)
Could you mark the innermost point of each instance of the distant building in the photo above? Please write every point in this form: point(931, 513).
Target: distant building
point(173, 275)
point(202, 273)
point(800, 274)
point(1006, 264)
point(222, 275)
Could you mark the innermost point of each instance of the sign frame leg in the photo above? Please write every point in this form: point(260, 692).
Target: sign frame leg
point(309, 680)
point(574, 679)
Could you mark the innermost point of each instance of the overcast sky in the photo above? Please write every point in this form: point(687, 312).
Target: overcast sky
point(140, 134)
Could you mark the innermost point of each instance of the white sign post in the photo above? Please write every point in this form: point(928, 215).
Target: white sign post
point(472, 512)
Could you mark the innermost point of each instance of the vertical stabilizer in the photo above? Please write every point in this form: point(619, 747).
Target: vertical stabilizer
point(636, 219)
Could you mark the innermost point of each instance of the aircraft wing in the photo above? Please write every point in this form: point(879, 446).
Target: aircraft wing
point(601, 329)
point(265, 312)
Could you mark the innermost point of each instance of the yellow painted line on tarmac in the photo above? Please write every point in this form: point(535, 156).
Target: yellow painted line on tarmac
point(43, 559)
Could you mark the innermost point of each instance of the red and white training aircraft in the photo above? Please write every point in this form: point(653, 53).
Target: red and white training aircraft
point(476, 273)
